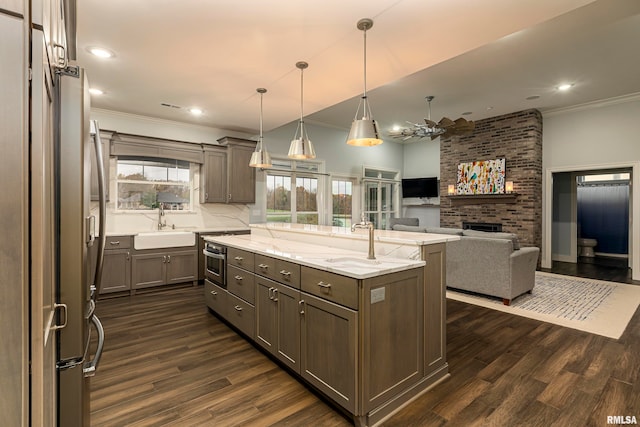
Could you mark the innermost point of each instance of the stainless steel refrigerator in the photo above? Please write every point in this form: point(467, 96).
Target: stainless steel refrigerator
point(80, 232)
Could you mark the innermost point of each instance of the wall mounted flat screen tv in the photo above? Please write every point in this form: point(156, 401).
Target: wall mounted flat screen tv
point(420, 187)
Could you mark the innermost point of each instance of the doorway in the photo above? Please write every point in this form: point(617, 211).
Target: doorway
point(564, 221)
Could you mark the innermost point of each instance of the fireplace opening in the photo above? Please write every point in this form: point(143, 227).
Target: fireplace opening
point(481, 226)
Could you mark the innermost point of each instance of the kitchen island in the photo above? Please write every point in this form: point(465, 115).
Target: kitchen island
point(359, 331)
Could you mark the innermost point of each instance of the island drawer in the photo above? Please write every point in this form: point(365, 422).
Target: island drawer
point(242, 315)
point(117, 242)
point(330, 286)
point(241, 283)
point(279, 270)
point(240, 258)
point(216, 298)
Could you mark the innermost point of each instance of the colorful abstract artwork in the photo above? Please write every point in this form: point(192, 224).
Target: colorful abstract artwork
point(481, 177)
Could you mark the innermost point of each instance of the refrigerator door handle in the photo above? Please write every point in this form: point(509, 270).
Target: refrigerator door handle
point(65, 317)
point(102, 238)
point(89, 368)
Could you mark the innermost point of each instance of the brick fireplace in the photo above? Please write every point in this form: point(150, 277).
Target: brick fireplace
point(517, 137)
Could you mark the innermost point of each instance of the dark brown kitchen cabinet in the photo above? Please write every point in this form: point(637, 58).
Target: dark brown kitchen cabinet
point(278, 320)
point(163, 267)
point(226, 176)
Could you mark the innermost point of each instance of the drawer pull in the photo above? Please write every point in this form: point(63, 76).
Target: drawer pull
point(115, 242)
point(275, 294)
point(238, 308)
point(238, 258)
point(301, 305)
point(324, 285)
point(271, 293)
point(285, 273)
point(263, 266)
point(238, 278)
point(214, 293)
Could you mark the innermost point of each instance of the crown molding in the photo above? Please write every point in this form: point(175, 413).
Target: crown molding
point(631, 97)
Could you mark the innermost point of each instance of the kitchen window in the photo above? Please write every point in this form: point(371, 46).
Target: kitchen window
point(292, 191)
point(343, 199)
point(143, 183)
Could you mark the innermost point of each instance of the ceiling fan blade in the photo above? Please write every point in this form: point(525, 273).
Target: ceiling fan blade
point(446, 122)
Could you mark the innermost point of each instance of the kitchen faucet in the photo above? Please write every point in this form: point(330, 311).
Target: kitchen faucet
point(161, 224)
point(366, 224)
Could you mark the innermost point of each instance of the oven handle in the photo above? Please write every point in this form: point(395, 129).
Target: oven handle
point(214, 255)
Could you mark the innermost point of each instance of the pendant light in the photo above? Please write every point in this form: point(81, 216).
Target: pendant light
point(301, 147)
point(260, 158)
point(364, 131)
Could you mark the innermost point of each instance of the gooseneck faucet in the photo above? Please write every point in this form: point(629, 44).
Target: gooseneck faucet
point(161, 224)
point(366, 224)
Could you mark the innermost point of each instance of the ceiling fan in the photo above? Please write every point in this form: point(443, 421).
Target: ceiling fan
point(445, 127)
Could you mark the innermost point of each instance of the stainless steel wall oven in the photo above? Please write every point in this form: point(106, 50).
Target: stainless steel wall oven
point(215, 264)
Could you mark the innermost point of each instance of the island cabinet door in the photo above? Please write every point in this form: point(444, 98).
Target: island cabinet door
point(328, 349)
point(278, 321)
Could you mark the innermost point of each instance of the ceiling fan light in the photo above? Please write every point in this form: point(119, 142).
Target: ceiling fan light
point(364, 133)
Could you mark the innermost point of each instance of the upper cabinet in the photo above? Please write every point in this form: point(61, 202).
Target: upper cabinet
point(51, 15)
point(226, 175)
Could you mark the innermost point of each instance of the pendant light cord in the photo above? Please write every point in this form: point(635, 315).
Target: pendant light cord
point(261, 93)
point(301, 93)
point(364, 95)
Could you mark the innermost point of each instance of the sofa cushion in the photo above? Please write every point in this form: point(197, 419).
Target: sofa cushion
point(400, 227)
point(494, 235)
point(443, 230)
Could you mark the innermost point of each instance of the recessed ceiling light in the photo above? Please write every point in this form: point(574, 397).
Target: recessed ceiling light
point(95, 91)
point(532, 97)
point(101, 52)
point(467, 113)
point(396, 128)
point(565, 86)
point(195, 111)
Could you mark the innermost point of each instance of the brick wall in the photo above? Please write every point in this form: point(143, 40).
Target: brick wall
point(517, 137)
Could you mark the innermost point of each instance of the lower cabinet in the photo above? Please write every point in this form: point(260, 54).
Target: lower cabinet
point(116, 267)
point(328, 342)
point(278, 320)
point(150, 268)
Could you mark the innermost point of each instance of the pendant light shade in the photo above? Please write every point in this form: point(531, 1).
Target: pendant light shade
point(301, 146)
point(260, 158)
point(364, 131)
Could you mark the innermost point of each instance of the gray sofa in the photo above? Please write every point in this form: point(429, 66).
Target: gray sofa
point(486, 262)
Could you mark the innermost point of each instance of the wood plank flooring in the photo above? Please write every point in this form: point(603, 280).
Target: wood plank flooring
point(169, 362)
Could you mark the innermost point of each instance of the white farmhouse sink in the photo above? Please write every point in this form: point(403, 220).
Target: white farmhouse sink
point(163, 239)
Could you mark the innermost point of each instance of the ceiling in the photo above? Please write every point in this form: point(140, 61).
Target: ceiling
point(484, 57)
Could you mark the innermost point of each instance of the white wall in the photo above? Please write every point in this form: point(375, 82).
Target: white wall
point(597, 136)
point(159, 128)
point(422, 159)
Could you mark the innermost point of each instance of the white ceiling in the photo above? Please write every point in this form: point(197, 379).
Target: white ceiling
point(483, 57)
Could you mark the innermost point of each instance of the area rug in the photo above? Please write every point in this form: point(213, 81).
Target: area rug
point(594, 306)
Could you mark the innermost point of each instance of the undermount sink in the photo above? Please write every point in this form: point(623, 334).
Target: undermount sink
point(163, 239)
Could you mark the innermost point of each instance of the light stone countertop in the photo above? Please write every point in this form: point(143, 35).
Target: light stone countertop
point(346, 262)
point(193, 230)
point(388, 236)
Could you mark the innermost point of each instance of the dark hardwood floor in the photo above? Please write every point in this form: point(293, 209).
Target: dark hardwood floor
point(599, 267)
point(169, 362)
